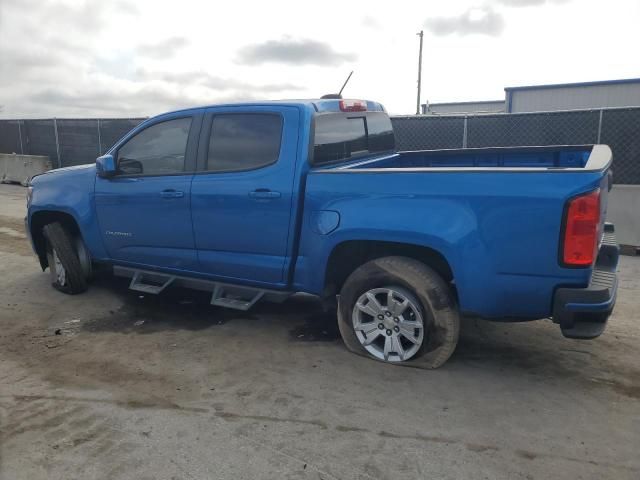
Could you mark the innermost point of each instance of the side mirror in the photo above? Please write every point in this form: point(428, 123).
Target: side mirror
point(106, 166)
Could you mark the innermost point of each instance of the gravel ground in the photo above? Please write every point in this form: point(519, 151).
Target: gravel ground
point(113, 384)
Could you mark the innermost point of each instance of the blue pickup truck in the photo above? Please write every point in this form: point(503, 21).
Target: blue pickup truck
point(258, 201)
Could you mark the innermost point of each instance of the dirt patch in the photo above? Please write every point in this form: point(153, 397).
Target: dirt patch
point(319, 326)
point(13, 238)
point(136, 345)
point(175, 309)
point(183, 309)
point(509, 348)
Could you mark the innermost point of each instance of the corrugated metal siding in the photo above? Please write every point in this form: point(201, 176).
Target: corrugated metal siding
point(465, 107)
point(575, 98)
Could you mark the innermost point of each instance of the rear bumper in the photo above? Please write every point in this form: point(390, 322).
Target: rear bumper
point(583, 312)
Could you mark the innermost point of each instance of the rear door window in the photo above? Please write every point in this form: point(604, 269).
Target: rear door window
point(244, 141)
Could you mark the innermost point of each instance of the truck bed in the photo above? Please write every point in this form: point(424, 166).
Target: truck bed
point(554, 157)
point(494, 214)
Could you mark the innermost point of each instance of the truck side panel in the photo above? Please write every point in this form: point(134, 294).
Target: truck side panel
point(499, 231)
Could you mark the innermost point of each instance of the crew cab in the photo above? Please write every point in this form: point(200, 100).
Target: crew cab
point(257, 201)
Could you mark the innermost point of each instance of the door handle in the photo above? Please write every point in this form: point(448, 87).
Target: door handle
point(171, 194)
point(264, 193)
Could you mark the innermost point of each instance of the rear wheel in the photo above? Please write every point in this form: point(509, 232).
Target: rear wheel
point(398, 310)
point(388, 323)
point(67, 273)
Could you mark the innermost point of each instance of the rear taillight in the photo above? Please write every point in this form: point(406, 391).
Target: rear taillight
point(582, 224)
point(353, 106)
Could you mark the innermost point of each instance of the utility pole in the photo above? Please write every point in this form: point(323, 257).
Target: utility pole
point(421, 35)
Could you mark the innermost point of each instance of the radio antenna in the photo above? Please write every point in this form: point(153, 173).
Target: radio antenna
point(345, 83)
point(339, 94)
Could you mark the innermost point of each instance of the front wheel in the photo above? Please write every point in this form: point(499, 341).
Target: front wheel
point(67, 274)
point(398, 310)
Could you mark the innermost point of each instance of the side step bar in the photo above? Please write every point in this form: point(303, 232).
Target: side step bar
point(226, 295)
point(235, 297)
point(155, 283)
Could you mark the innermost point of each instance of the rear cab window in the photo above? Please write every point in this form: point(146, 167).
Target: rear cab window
point(344, 136)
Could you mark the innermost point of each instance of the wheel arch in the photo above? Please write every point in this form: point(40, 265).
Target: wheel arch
point(348, 255)
point(44, 217)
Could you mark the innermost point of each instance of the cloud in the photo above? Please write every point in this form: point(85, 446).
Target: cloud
point(67, 71)
point(164, 49)
point(33, 48)
point(70, 18)
point(480, 21)
point(25, 59)
point(131, 102)
point(370, 22)
point(529, 3)
point(201, 78)
point(111, 100)
point(293, 52)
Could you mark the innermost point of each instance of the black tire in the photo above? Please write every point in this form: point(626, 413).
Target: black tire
point(60, 242)
point(438, 307)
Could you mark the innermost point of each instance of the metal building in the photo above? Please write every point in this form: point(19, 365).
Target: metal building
point(573, 96)
point(549, 98)
point(462, 108)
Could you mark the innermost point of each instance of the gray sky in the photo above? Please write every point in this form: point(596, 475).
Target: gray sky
point(136, 58)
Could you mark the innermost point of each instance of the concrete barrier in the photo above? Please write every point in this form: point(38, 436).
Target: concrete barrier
point(623, 210)
point(21, 169)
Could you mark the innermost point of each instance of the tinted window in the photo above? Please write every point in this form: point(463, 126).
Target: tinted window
point(157, 150)
point(380, 131)
point(340, 136)
point(244, 141)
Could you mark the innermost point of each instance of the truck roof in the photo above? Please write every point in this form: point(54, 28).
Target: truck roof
point(317, 105)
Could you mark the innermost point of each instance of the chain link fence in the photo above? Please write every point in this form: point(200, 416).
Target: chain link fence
point(621, 131)
point(619, 128)
point(77, 141)
point(65, 141)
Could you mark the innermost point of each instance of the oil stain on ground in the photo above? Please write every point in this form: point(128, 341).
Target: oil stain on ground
point(184, 309)
point(173, 309)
